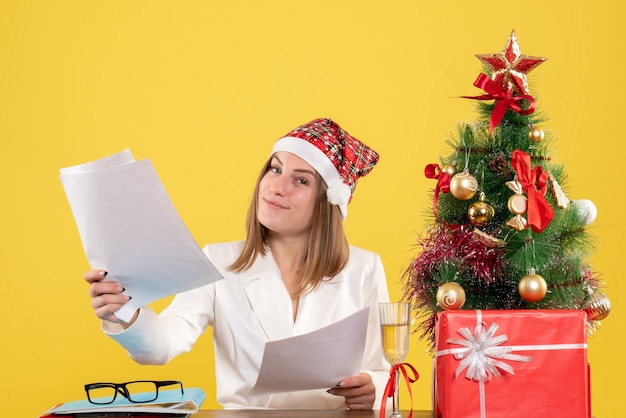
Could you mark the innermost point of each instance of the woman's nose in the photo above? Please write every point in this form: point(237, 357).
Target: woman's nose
point(278, 185)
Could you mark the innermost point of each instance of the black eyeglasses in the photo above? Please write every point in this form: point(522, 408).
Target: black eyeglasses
point(138, 391)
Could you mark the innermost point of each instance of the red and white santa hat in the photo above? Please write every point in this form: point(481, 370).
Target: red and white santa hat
point(338, 157)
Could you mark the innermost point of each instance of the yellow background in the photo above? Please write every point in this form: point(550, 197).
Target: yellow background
point(203, 88)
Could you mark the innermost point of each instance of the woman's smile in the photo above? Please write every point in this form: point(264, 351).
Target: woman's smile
point(274, 204)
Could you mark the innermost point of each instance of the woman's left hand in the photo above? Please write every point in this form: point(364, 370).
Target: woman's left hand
point(359, 391)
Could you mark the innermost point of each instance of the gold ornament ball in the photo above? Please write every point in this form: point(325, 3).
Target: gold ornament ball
point(535, 134)
point(598, 306)
point(463, 186)
point(480, 212)
point(449, 169)
point(450, 295)
point(532, 287)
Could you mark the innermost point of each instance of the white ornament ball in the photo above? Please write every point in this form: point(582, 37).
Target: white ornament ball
point(587, 209)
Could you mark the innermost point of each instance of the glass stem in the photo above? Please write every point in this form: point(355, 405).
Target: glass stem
point(396, 398)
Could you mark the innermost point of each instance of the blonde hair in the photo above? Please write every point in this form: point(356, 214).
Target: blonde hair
point(328, 249)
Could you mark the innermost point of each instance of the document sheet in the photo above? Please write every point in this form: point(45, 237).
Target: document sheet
point(319, 359)
point(129, 227)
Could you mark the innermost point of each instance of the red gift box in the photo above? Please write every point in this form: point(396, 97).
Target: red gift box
point(511, 364)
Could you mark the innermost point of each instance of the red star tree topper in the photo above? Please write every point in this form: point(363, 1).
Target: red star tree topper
point(509, 67)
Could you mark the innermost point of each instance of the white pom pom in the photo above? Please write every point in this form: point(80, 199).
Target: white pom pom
point(339, 193)
point(587, 209)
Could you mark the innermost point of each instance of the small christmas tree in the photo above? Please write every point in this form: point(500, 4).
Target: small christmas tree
point(503, 233)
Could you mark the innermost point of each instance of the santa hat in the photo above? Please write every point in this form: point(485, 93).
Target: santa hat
point(338, 157)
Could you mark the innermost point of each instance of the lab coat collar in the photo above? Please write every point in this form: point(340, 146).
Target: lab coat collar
point(271, 302)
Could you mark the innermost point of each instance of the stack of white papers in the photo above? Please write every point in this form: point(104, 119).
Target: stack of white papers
point(315, 360)
point(130, 228)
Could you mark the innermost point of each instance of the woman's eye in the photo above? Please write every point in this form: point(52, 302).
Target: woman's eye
point(302, 181)
point(274, 169)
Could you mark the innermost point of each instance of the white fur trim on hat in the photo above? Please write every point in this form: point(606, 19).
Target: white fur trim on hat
point(338, 192)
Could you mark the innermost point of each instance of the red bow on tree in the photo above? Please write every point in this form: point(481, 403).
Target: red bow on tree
point(433, 171)
point(504, 100)
point(533, 182)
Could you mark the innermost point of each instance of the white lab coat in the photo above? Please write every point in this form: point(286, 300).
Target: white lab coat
point(246, 310)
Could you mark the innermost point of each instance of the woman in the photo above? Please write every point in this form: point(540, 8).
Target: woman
point(294, 274)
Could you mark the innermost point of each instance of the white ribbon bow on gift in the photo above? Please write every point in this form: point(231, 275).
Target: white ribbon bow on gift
point(482, 356)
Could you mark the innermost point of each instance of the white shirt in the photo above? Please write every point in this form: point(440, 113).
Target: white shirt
point(250, 308)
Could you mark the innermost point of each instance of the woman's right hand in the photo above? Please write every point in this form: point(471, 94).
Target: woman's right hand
point(106, 297)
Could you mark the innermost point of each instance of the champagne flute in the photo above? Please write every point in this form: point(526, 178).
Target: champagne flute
point(394, 329)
